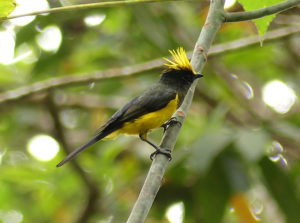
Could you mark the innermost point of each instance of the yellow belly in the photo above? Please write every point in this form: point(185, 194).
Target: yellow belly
point(148, 121)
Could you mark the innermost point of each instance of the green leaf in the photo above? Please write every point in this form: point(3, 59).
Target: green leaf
point(6, 7)
point(262, 24)
point(282, 189)
point(234, 169)
point(252, 143)
point(213, 193)
point(204, 150)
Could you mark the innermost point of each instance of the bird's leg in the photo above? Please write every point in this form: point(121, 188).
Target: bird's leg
point(166, 152)
point(171, 121)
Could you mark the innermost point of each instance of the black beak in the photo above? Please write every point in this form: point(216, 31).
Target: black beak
point(198, 76)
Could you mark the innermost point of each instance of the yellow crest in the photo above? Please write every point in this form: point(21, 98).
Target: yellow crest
point(180, 61)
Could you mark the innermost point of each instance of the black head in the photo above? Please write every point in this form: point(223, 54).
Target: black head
point(179, 78)
point(179, 73)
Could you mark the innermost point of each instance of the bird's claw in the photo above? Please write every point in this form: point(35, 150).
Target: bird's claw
point(166, 152)
point(170, 122)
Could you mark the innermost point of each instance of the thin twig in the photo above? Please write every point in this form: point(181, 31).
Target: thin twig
point(251, 40)
point(259, 13)
point(78, 79)
point(19, 93)
point(84, 6)
point(154, 178)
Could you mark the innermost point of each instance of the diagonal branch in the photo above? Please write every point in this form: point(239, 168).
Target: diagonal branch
point(155, 175)
point(19, 93)
point(259, 13)
point(83, 6)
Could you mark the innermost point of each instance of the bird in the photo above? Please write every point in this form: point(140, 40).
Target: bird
point(151, 109)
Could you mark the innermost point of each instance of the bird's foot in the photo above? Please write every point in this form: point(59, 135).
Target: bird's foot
point(170, 122)
point(166, 152)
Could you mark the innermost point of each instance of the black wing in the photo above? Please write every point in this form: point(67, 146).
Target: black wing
point(150, 100)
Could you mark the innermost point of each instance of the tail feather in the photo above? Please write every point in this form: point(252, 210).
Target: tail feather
point(92, 141)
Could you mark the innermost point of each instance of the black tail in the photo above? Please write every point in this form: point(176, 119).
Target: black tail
point(92, 141)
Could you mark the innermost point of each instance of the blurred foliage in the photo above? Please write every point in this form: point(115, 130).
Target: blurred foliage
point(6, 7)
point(232, 149)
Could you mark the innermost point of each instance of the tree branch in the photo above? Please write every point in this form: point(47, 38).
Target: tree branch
point(155, 175)
point(77, 79)
point(251, 40)
point(84, 6)
point(22, 92)
point(255, 14)
point(93, 192)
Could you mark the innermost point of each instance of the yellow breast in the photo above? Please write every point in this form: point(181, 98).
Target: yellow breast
point(148, 121)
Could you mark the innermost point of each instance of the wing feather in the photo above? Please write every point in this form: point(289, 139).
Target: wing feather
point(150, 100)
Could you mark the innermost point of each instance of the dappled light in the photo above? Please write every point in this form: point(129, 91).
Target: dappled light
point(43, 147)
point(24, 6)
point(7, 46)
point(229, 3)
point(50, 38)
point(2, 153)
point(94, 19)
point(249, 93)
point(277, 153)
point(11, 216)
point(25, 54)
point(175, 213)
point(279, 96)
